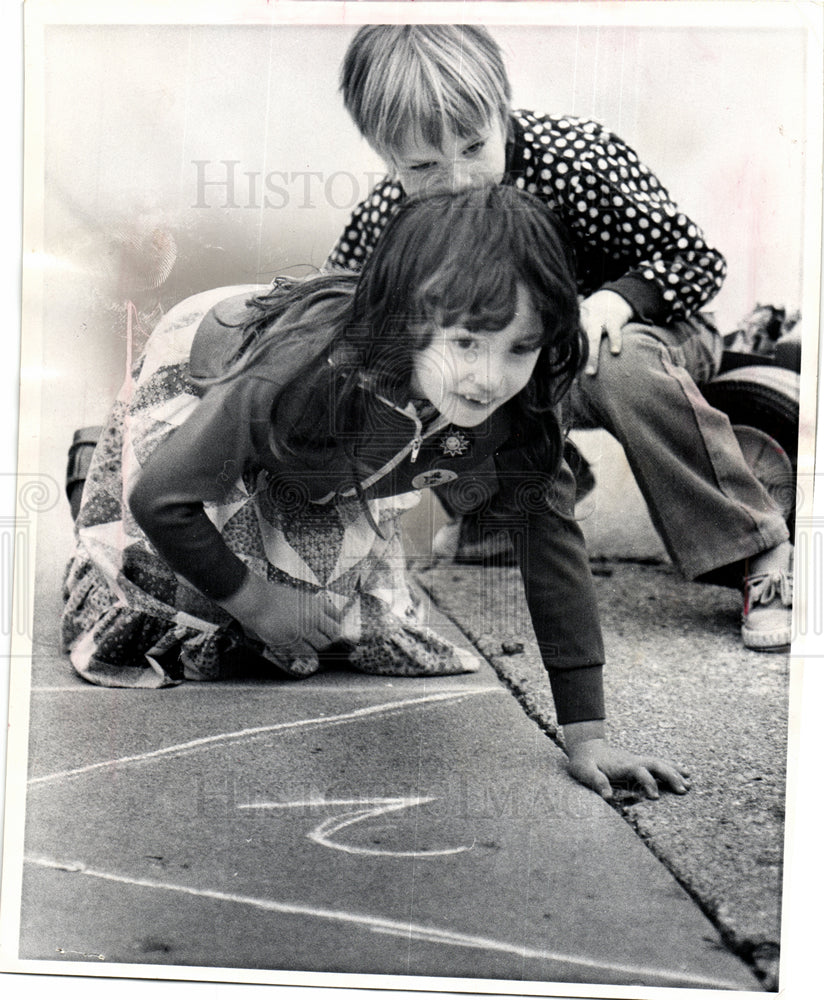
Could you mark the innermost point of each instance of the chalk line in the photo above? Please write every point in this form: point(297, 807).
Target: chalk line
point(307, 685)
point(364, 809)
point(207, 741)
point(399, 928)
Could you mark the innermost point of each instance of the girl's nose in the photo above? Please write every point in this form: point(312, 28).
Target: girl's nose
point(484, 378)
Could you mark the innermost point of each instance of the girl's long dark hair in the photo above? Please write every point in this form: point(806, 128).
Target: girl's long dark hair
point(443, 260)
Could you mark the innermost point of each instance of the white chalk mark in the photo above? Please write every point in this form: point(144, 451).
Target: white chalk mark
point(400, 928)
point(82, 954)
point(308, 684)
point(206, 742)
point(367, 809)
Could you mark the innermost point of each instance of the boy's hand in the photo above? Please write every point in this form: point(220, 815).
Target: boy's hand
point(604, 312)
point(283, 617)
point(595, 763)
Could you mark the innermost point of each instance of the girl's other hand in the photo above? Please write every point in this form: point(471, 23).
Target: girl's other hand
point(595, 763)
point(603, 312)
point(283, 617)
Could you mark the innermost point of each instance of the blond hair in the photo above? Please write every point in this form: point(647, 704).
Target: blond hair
point(416, 80)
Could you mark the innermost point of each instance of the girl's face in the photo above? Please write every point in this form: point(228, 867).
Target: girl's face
point(466, 376)
point(460, 163)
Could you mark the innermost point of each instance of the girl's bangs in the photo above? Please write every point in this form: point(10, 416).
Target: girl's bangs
point(475, 298)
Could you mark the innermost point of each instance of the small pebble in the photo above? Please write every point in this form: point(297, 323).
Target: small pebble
point(511, 647)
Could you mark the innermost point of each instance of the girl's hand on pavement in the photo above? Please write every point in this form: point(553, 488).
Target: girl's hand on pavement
point(595, 763)
point(603, 312)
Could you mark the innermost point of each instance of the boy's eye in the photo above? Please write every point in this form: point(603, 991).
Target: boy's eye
point(474, 148)
point(420, 168)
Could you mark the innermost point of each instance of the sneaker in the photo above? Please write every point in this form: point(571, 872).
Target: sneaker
point(768, 611)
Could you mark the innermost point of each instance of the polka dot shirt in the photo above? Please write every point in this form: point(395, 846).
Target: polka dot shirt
point(628, 234)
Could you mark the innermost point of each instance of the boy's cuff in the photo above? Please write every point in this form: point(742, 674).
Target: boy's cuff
point(645, 297)
point(578, 694)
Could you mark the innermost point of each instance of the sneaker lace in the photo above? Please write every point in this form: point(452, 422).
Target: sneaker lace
point(765, 587)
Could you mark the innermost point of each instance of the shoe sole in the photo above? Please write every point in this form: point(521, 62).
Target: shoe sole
point(764, 643)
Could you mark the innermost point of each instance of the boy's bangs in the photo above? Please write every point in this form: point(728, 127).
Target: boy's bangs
point(429, 108)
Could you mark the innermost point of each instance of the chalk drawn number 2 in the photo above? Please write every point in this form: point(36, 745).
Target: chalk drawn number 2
point(362, 809)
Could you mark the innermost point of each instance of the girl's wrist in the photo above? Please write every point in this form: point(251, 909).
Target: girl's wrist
point(576, 733)
point(244, 603)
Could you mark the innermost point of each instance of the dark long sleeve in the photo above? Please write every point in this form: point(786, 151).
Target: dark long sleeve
point(559, 589)
point(201, 463)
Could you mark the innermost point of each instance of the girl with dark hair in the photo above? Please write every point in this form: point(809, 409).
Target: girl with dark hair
point(244, 499)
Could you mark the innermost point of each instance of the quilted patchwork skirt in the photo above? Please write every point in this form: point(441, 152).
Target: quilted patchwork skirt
point(130, 621)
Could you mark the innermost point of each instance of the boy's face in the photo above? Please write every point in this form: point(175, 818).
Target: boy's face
point(461, 162)
point(467, 376)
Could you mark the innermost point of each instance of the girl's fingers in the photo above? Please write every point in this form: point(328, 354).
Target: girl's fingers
point(593, 777)
point(329, 609)
point(645, 779)
point(675, 776)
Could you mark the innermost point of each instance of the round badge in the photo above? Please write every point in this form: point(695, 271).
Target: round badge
point(434, 477)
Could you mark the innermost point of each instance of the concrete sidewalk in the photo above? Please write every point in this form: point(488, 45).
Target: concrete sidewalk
point(351, 824)
point(342, 824)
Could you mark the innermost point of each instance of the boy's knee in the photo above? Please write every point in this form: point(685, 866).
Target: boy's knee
point(627, 373)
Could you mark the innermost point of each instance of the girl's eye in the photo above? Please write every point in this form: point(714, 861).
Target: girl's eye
point(474, 148)
point(420, 168)
point(527, 348)
point(465, 343)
